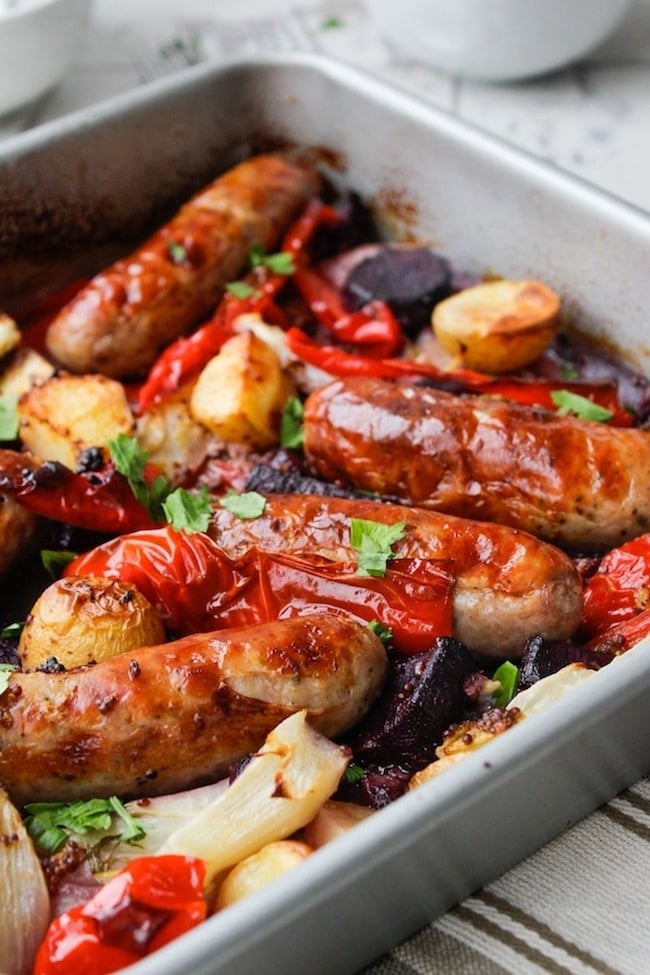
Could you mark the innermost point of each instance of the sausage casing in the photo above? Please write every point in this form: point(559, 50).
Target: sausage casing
point(509, 584)
point(580, 484)
point(164, 718)
point(122, 319)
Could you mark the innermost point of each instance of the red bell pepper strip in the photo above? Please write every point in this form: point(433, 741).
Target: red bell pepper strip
point(374, 327)
point(146, 905)
point(101, 501)
point(619, 589)
point(185, 357)
point(197, 588)
point(530, 392)
point(624, 635)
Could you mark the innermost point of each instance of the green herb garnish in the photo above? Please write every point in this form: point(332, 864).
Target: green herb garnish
point(242, 289)
point(250, 504)
point(51, 823)
point(12, 631)
point(507, 674)
point(176, 251)
point(187, 511)
point(291, 432)
point(280, 263)
point(55, 561)
point(373, 542)
point(9, 422)
point(354, 773)
point(330, 22)
point(384, 633)
point(567, 402)
point(130, 460)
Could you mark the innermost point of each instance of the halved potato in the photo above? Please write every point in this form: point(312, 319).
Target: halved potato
point(79, 620)
point(9, 334)
point(240, 394)
point(498, 326)
point(67, 414)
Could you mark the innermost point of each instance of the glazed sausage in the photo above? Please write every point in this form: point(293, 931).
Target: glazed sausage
point(168, 717)
point(579, 484)
point(509, 585)
point(122, 319)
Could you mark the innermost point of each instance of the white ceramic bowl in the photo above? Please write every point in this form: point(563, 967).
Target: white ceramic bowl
point(498, 40)
point(38, 41)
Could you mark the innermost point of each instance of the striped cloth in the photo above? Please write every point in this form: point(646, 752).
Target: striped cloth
point(576, 907)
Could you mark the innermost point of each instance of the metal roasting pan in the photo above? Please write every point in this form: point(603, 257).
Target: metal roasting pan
point(73, 189)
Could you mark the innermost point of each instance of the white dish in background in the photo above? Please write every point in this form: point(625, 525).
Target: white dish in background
point(38, 41)
point(108, 170)
point(499, 40)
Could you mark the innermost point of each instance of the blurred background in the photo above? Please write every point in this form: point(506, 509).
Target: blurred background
point(591, 116)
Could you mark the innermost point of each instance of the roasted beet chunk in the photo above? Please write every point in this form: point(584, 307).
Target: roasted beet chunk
point(541, 658)
point(423, 696)
point(410, 279)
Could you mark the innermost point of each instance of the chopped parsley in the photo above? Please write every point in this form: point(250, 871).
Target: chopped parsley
point(291, 432)
point(354, 773)
point(384, 633)
point(250, 504)
point(280, 263)
point(242, 289)
point(51, 823)
point(507, 675)
point(8, 417)
point(568, 402)
point(188, 512)
point(176, 251)
point(55, 561)
point(12, 631)
point(373, 541)
point(331, 22)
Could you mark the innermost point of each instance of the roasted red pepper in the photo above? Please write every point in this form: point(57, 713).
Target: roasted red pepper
point(149, 903)
point(530, 392)
point(197, 588)
point(100, 501)
point(619, 590)
point(624, 635)
point(374, 327)
point(184, 358)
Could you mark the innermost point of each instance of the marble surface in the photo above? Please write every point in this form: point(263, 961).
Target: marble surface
point(592, 118)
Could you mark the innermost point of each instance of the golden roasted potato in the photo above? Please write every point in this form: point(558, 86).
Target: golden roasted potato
point(67, 414)
point(259, 869)
point(171, 436)
point(240, 394)
point(79, 620)
point(498, 326)
point(333, 819)
point(24, 369)
point(9, 335)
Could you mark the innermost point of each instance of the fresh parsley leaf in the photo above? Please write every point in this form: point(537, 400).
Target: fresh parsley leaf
point(569, 371)
point(354, 773)
point(384, 633)
point(54, 561)
point(176, 251)
point(130, 460)
point(250, 504)
point(51, 823)
point(291, 433)
point(331, 22)
point(280, 263)
point(8, 417)
point(507, 674)
point(188, 512)
point(6, 670)
point(12, 631)
point(373, 541)
point(580, 406)
point(242, 289)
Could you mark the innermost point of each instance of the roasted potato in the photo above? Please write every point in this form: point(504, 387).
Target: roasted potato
point(259, 869)
point(9, 335)
point(23, 369)
point(83, 620)
point(240, 394)
point(499, 326)
point(67, 414)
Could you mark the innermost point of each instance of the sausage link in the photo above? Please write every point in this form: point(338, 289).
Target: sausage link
point(579, 484)
point(169, 717)
point(128, 313)
point(509, 584)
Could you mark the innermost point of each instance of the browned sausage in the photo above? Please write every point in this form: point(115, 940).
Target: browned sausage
point(509, 585)
point(580, 484)
point(168, 717)
point(118, 324)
